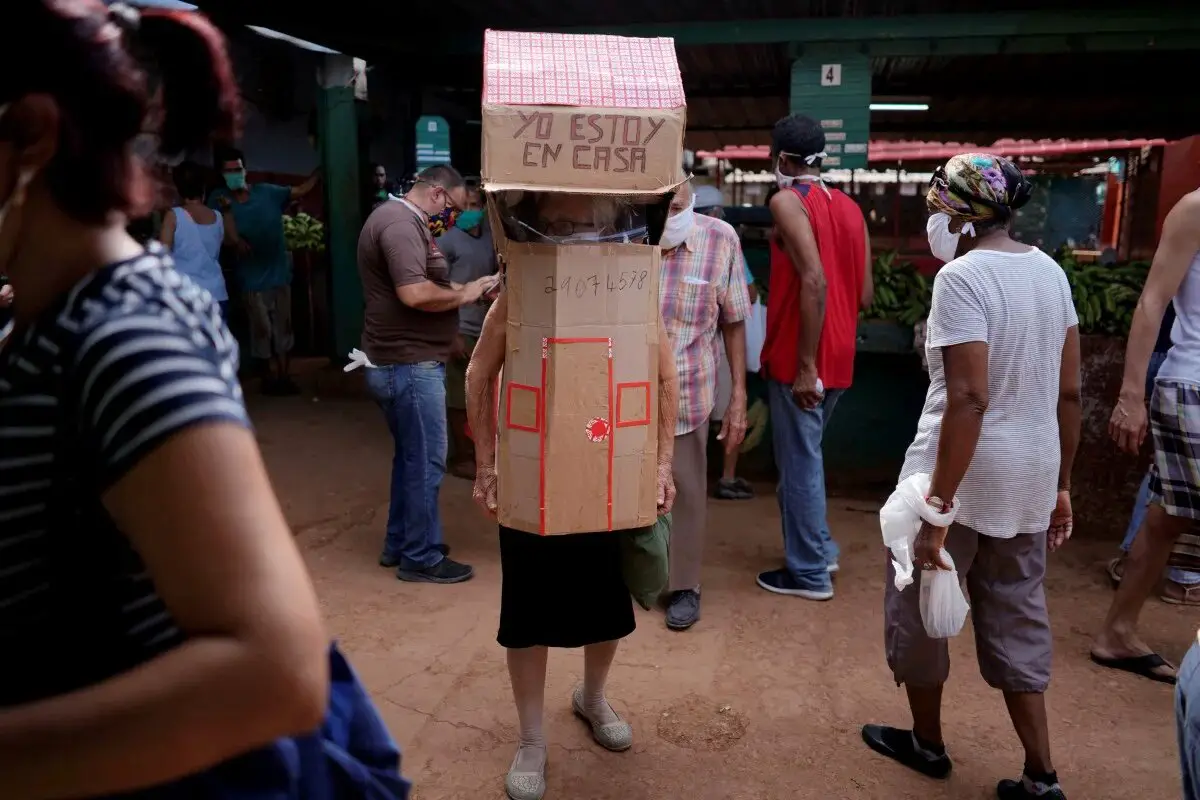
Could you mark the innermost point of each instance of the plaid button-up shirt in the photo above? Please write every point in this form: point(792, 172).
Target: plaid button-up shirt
point(702, 285)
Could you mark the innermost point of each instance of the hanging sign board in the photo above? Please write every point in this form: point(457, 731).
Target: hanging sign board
point(836, 90)
point(433, 142)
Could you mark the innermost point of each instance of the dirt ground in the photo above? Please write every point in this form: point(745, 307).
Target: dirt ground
point(762, 699)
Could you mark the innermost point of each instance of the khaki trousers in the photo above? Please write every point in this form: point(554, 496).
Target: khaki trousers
point(690, 516)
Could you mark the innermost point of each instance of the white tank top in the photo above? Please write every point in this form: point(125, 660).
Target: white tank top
point(196, 252)
point(1183, 359)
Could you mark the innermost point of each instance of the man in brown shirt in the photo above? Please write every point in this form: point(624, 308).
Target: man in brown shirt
point(409, 325)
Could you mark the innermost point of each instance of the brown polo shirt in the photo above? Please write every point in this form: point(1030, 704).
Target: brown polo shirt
point(397, 249)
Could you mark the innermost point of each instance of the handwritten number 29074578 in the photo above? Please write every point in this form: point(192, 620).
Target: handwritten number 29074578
point(582, 285)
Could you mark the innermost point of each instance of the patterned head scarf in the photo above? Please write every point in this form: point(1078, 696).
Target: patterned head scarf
point(977, 187)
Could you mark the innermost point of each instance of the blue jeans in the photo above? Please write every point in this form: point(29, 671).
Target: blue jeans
point(1142, 503)
point(808, 546)
point(1187, 722)
point(413, 399)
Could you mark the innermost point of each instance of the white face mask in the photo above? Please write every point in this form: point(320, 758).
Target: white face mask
point(785, 181)
point(8, 238)
point(788, 181)
point(942, 243)
point(679, 228)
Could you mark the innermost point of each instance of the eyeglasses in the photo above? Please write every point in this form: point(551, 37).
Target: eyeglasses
point(446, 194)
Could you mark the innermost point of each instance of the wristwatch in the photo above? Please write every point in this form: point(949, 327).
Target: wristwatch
point(938, 503)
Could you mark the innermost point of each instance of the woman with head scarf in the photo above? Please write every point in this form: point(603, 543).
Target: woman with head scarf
point(998, 436)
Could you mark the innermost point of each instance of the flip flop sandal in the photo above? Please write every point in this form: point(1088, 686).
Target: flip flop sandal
point(1115, 573)
point(1142, 666)
point(1187, 595)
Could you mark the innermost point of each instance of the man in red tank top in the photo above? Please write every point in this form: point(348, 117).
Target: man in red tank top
point(820, 278)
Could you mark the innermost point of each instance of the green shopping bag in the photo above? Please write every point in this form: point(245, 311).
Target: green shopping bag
point(644, 561)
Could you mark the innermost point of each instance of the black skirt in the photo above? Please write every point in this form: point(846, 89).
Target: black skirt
point(562, 591)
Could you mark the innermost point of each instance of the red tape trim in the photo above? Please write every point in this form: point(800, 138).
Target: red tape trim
point(633, 423)
point(537, 408)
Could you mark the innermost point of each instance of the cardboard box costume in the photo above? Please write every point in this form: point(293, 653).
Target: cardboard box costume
point(578, 410)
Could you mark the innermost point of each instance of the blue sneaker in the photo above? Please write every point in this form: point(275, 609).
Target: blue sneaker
point(780, 581)
point(391, 562)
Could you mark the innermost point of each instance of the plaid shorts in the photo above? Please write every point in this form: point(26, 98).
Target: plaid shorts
point(1175, 426)
point(270, 314)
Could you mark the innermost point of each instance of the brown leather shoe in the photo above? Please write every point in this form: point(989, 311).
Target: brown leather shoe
point(1177, 594)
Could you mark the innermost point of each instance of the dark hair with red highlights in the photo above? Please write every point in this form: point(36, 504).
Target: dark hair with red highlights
point(116, 74)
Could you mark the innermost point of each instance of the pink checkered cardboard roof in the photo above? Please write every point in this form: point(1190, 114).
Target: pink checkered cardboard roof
point(571, 69)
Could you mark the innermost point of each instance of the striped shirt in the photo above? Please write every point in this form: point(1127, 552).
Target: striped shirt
point(1019, 304)
point(130, 356)
point(702, 284)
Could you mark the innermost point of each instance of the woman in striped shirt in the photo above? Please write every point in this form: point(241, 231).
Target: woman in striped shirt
point(156, 618)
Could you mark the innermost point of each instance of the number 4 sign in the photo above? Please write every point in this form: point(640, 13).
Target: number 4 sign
point(831, 74)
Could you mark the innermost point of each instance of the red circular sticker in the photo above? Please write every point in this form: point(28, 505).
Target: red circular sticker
point(597, 429)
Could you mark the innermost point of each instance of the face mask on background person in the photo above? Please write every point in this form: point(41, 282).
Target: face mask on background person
point(10, 210)
point(785, 181)
point(788, 181)
point(470, 219)
point(236, 181)
point(942, 243)
point(443, 220)
point(678, 228)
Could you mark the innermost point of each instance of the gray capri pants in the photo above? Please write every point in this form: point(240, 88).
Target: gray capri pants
point(1004, 582)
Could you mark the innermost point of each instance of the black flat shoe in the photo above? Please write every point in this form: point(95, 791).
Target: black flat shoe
point(1028, 789)
point(900, 746)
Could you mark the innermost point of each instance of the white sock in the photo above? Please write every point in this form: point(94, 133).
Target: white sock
point(597, 659)
point(527, 670)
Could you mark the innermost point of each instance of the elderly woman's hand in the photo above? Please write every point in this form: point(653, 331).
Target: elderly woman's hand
point(485, 488)
point(666, 488)
point(1061, 521)
point(927, 549)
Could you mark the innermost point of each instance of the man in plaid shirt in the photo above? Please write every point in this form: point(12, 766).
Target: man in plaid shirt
point(703, 293)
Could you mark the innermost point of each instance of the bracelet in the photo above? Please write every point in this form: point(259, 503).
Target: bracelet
point(936, 502)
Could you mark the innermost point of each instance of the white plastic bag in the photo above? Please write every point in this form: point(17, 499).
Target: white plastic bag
point(756, 336)
point(943, 605)
point(900, 520)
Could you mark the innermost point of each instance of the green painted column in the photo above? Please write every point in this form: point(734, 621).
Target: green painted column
point(337, 141)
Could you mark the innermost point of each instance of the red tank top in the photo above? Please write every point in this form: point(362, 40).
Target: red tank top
point(840, 231)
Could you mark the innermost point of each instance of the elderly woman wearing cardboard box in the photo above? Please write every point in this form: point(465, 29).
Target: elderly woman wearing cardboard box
point(559, 591)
